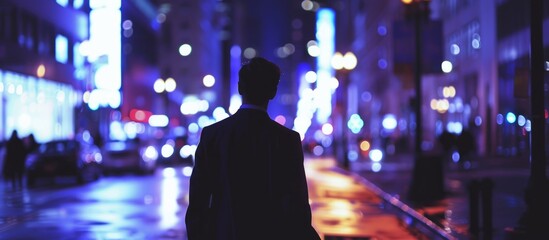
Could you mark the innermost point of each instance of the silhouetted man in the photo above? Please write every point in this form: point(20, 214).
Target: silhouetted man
point(248, 180)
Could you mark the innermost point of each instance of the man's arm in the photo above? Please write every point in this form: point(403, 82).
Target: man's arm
point(199, 193)
point(303, 208)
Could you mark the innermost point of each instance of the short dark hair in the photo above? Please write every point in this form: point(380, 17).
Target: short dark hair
point(258, 80)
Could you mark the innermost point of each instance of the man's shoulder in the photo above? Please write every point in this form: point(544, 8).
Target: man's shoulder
point(283, 129)
point(230, 121)
point(224, 123)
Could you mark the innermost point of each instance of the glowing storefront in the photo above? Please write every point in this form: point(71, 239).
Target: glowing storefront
point(35, 105)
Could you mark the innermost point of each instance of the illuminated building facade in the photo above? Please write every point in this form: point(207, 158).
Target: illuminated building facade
point(483, 80)
point(42, 72)
point(62, 65)
point(470, 48)
point(381, 95)
point(379, 114)
point(490, 54)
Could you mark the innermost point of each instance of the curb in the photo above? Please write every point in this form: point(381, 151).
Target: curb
point(408, 215)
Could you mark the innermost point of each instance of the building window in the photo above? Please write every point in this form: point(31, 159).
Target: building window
point(30, 32)
point(13, 25)
point(77, 4)
point(4, 23)
point(45, 40)
point(63, 3)
point(79, 60)
point(61, 49)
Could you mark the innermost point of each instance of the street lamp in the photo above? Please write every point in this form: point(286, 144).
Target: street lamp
point(161, 85)
point(343, 64)
point(418, 11)
point(426, 185)
point(164, 87)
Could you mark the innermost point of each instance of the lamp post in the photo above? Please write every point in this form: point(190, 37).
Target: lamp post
point(343, 64)
point(423, 189)
point(418, 11)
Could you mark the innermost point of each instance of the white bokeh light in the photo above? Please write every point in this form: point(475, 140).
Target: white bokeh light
point(185, 50)
point(208, 81)
point(446, 66)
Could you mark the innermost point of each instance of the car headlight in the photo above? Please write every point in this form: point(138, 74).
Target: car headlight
point(167, 150)
point(149, 154)
point(187, 151)
point(98, 157)
point(92, 156)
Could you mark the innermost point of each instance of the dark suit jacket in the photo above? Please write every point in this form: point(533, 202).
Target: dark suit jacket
point(248, 182)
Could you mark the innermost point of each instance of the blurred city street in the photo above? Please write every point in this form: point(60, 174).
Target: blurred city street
point(344, 205)
point(92, 87)
point(115, 207)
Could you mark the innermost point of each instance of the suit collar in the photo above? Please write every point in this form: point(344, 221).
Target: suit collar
point(251, 106)
point(253, 111)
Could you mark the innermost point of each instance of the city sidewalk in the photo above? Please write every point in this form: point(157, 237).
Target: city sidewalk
point(508, 175)
point(347, 206)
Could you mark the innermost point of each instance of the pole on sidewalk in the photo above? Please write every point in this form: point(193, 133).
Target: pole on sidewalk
point(487, 186)
point(480, 199)
point(418, 19)
point(534, 222)
point(427, 184)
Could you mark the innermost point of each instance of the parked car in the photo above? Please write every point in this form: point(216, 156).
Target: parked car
point(62, 158)
point(130, 155)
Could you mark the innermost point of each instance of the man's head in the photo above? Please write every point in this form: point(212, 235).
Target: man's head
point(258, 81)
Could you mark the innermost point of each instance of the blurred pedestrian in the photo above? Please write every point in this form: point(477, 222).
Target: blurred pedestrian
point(98, 139)
point(447, 142)
point(14, 160)
point(466, 147)
point(30, 143)
point(248, 180)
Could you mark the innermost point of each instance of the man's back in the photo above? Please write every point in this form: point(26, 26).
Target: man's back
point(259, 191)
point(248, 181)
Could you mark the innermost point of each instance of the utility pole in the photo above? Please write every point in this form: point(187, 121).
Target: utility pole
point(418, 18)
point(344, 64)
point(534, 223)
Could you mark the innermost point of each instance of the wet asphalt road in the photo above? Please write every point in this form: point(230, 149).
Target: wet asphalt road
point(114, 207)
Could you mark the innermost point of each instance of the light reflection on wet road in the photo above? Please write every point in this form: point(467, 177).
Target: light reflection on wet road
point(153, 207)
point(115, 207)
